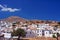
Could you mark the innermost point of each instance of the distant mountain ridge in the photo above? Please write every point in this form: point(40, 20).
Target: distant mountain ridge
point(14, 18)
point(29, 22)
point(17, 18)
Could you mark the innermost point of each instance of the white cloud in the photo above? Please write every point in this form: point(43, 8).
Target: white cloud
point(5, 8)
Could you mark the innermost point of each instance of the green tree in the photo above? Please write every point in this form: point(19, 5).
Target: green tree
point(19, 32)
point(58, 35)
point(13, 26)
point(59, 23)
point(54, 36)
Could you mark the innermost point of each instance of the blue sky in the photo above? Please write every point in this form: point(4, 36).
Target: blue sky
point(32, 9)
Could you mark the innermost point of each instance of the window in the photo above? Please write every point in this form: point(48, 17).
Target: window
point(30, 32)
point(37, 26)
point(40, 34)
point(37, 30)
point(40, 31)
point(46, 32)
point(37, 34)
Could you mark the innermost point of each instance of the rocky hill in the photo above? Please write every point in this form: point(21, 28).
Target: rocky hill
point(16, 18)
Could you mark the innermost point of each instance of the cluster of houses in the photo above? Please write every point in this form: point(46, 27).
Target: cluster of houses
point(33, 30)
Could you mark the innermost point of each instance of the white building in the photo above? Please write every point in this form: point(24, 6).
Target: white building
point(32, 30)
point(43, 30)
point(47, 33)
point(39, 32)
